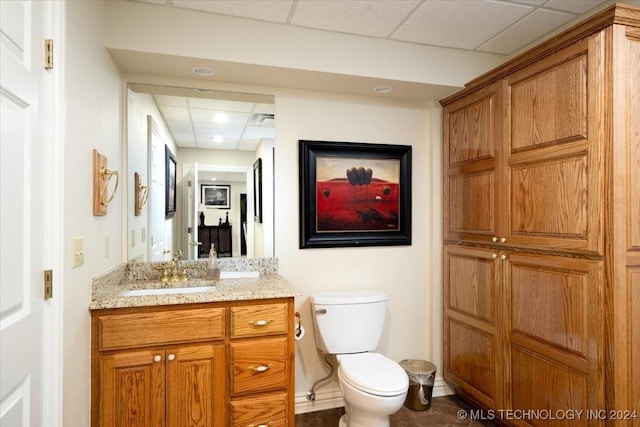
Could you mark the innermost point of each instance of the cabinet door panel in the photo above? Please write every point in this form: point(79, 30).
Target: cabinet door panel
point(470, 284)
point(549, 200)
point(259, 365)
point(555, 157)
point(550, 106)
point(473, 150)
point(195, 384)
point(540, 384)
point(132, 389)
point(470, 358)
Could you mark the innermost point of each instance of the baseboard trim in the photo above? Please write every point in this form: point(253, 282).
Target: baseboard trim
point(332, 398)
point(326, 399)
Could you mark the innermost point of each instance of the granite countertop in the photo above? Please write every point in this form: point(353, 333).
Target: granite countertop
point(107, 290)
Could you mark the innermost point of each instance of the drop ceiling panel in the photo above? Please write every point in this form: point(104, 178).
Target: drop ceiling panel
point(265, 10)
point(476, 21)
point(574, 6)
point(174, 113)
point(377, 18)
point(531, 27)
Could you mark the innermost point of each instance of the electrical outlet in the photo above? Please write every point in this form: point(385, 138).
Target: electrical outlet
point(77, 252)
point(107, 246)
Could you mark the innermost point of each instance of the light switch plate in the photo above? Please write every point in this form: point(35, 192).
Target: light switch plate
point(77, 252)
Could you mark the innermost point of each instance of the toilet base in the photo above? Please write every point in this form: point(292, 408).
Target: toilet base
point(361, 419)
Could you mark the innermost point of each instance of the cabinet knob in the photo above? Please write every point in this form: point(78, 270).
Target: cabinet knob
point(171, 357)
point(503, 257)
point(494, 256)
point(261, 368)
point(494, 239)
point(263, 322)
point(269, 424)
point(157, 358)
point(503, 240)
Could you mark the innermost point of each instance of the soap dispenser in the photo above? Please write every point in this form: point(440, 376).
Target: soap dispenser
point(213, 273)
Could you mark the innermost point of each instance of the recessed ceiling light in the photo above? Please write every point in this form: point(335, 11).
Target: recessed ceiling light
point(382, 89)
point(220, 118)
point(203, 71)
point(217, 138)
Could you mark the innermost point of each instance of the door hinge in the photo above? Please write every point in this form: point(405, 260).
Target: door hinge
point(189, 184)
point(48, 54)
point(48, 284)
point(189, 230)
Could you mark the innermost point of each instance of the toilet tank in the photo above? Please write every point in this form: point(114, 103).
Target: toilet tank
point(348, 321)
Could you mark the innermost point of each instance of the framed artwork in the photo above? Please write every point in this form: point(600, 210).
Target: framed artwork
point(169, 183)
point(354, 194)
point(216, 196)
point(257, 190)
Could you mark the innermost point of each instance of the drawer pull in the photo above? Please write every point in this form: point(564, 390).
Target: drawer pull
point(261, 322)
point(269, 424)
point(157, 358)
point(261, 368)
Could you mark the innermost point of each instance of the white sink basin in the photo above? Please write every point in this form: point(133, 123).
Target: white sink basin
point(167, 291)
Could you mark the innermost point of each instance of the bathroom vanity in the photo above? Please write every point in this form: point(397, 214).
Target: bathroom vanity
point(218, 357)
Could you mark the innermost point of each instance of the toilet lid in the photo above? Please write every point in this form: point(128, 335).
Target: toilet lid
point(373, 373)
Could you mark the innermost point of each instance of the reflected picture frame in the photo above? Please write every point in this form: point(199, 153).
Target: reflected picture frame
point(170, 183)
point(354, 194)
point(215, 196)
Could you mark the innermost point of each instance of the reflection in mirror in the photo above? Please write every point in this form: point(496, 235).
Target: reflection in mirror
point(215, 137)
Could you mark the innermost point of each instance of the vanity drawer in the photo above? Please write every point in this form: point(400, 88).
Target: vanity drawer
point(260, 411)
point(257, 320)
point(259, 365)
point(160, 327)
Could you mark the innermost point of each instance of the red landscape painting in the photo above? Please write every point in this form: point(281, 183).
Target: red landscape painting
point(358, 201)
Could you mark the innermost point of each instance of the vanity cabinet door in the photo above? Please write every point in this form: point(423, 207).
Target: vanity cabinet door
point(195, 391)
point(132, 385)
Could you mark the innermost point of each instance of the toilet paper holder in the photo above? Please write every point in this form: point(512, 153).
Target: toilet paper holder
point(299, 330)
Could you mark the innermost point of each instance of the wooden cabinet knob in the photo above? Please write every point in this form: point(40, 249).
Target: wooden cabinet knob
point(157, 358)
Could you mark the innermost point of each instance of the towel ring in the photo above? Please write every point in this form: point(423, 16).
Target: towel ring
point(107, 174)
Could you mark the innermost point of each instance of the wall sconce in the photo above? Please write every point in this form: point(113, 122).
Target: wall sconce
point(101, 179)
point(141, 194)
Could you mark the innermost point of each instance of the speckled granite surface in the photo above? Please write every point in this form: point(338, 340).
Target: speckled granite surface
point(107, 289)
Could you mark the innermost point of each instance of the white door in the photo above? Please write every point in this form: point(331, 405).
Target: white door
point(156, 209)
point(26, 186)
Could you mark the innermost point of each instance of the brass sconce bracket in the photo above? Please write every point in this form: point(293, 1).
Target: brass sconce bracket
point(141, 194)
point(101, 179)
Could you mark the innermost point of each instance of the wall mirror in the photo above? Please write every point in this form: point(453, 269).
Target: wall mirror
point(216, 137)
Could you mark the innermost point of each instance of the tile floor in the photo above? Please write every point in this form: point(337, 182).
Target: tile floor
point(443, 413)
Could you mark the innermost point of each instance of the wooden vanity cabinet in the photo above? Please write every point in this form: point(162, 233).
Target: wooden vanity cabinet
point(541, 234)
point(209, 364)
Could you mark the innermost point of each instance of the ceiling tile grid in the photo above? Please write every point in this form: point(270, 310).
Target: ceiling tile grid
point(492, 26)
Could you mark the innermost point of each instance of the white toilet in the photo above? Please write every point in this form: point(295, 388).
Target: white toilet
point(349, 325)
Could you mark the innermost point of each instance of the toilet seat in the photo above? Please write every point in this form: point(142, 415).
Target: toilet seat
point(373, 373)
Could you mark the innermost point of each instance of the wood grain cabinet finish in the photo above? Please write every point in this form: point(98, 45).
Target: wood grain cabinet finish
point(180, 366)
point(542, 228)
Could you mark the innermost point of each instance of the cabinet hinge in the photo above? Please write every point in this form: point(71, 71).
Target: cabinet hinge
point(48, 284)
point(48, 54)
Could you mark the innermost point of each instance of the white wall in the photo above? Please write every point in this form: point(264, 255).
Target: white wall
point(92, 102)
point(409, 274)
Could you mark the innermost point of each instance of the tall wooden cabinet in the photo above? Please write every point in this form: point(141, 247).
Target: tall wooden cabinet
point(542, 228)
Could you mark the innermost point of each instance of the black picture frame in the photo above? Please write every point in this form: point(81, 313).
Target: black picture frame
point(354, 194)
point(170, 183)
point(215, 196)
point(257, 190)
